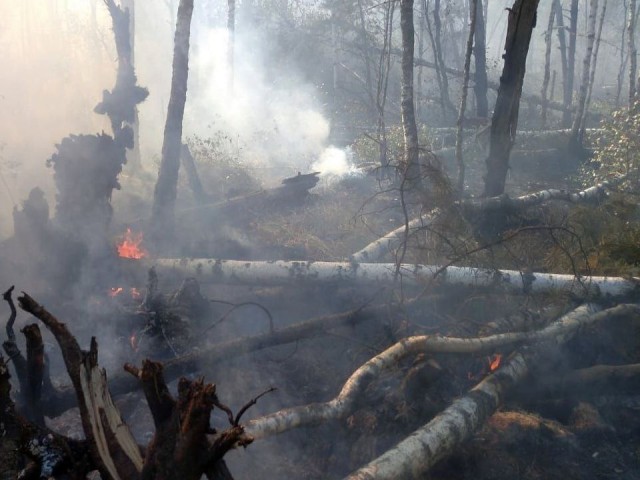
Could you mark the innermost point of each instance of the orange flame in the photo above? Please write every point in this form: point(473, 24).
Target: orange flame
point(135, 293)
point(495, 362)
point(130, 247)
point(115, 291)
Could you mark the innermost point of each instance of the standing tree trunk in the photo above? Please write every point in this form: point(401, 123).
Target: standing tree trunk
point(134, 158)
point(575, 140)
point(571, 60)
point(522, 20)
point(474, 7)
point(164, 196)
point(480, 54)
point(231, 31)
point(592, 74)
point(547, 67)
point(384, 68)
point(624, 57)
point(442, 68)
point(411, 167)
point(562, 41)
point(633, 53)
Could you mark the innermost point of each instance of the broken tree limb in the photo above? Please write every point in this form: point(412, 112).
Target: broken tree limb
point(180, 447)
point(112, 446)
point(438, 438)
point(417, 453)
point(342, 405)
point(281, 272)
point(394, 238)
point(121, 383)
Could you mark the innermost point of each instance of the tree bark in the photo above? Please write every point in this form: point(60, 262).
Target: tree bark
point(564, 62)
point(571, 58)
point(165, 193)
point(632, 52)
point(474, 7)
point(592, 74)
point(576, 141)
point(411, 166)
point(547, 67)
point(282, 272)
point(522, 20)
point(480, 55)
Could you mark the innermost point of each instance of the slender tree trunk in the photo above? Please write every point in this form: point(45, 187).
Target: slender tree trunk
point(522, 20)
point(571, 58)
point(367, 60)
point(231, 29)
point(441, 88)
point(411, 168)
point(384, 67)
point(480, 54)
point(562, 42)
point(418, 90)
point(442, 69)
point(547, 67)
point(474, 8)
point(592, 74)
point(133, 159)
point(624, 57)
point(633, 53)
point(576, 140)
point(165, 193)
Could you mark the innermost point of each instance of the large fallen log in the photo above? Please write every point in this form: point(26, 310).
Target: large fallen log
point(416, 454)
point(281, 272)
point(343, 404)
point(392, 240)
point(120, 383)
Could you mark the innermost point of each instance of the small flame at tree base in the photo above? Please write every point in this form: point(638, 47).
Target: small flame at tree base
point(131, 246)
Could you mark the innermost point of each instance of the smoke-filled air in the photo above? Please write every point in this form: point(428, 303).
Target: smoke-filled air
point(319, 239)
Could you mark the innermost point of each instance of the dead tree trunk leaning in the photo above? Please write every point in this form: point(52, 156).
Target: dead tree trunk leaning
point(473, 11)
point(164, 197)
point(411, 167)
point(575, 142)
point(633, 53)
point(479, 53)
point(547, 67)
point(522, 20)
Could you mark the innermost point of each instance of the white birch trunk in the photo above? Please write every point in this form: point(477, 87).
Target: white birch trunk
point(282, 272)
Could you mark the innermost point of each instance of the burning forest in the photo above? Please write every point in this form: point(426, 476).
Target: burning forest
point(320, 240)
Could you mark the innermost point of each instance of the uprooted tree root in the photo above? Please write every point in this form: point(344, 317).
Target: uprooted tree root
point(183, 446)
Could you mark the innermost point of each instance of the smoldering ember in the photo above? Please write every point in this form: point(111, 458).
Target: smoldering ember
point(320, 239)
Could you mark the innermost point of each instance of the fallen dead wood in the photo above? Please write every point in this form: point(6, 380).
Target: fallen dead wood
point(390, 241)
point(281, 272)
point(343, 404)
point(184, 445)
point(121, 383)
point(417, 453)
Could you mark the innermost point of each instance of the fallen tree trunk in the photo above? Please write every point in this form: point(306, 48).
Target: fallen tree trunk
point(416, 454)
point(281, 272)
point(342, 405)
point(121, 383)
point(394, 238)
